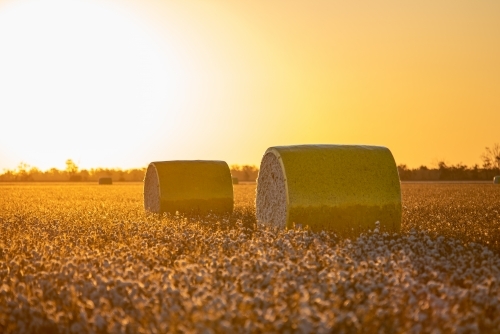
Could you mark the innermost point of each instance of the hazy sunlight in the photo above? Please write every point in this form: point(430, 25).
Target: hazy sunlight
point(78, 79)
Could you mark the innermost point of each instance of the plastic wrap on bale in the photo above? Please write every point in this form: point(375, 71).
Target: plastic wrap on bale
point(188, 186)
point(105, 180)
point(343, 188)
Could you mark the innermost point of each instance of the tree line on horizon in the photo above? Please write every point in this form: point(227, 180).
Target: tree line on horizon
point(459, 172)
point(248, 173)
point(443, 172)
point(72, 173)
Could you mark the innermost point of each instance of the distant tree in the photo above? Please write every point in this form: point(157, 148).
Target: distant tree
point(72, 170)
point(442, 165)
point(34, 173)
point(71, 167)
point(84, 174)
point(491, 157)
point(121, 175)
point(136, 174)
point(8, 175)
point(404, 172)
point(22, 172)
point(53, 173)
point(245, 172)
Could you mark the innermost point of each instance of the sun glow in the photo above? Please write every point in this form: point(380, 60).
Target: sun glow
point(121, 83)
point(77, 78)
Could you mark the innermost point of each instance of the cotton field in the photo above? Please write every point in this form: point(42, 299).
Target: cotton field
point(80, 258)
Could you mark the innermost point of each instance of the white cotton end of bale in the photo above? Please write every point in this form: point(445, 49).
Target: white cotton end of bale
point(271, 201)
point(151, 190)
point(105, 180)
point(344, 188)
point(496, 179)
point(188, 186)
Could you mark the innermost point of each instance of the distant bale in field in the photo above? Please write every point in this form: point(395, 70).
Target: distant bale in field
point(345, 188)
point(75, 178)
point(105, 180)
point(235, 180)
point(188, 186)
point(496, 179)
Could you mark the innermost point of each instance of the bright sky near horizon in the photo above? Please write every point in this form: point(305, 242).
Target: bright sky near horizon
point(113, 83)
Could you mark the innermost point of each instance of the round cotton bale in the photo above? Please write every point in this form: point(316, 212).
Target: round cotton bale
point(235, 180)
point(193, 186)
point(105, 180)
point(496, 179)
point(344, 188)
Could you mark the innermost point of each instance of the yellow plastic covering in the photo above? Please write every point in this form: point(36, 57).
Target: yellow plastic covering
point(345, 188)
point(105, 180)
point(188, 186)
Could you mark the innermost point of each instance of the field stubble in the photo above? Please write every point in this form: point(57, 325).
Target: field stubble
point(87, 258)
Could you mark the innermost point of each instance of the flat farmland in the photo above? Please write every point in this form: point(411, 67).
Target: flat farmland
point(77, 257)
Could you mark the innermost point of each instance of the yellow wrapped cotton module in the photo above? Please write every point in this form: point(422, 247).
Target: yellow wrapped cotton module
point(194, 186)
point(105, 180)
point(344, 188)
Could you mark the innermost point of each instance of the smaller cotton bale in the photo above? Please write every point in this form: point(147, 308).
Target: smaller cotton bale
point(496, 179)
point(344, 188)
point(105, 180)
point(235, 180)
point(188, 186)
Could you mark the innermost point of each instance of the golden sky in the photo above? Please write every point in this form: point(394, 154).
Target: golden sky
point(120, 83)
